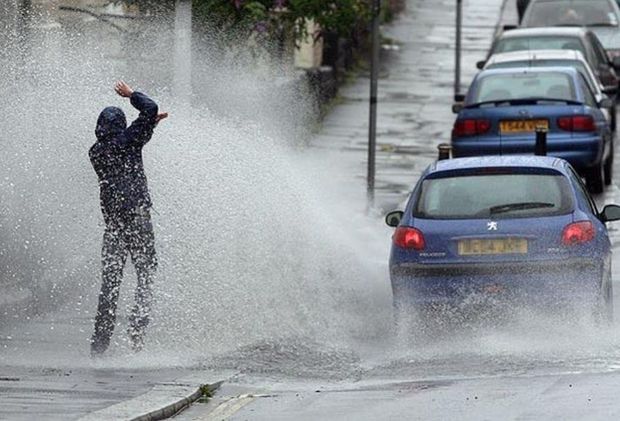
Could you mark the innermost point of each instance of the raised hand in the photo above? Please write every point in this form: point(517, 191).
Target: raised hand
point(160, 117)
point(123, 89)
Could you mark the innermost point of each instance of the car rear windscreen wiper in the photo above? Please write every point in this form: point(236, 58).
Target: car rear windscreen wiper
point(519, 206)
point(602, 24)
point(523, 101)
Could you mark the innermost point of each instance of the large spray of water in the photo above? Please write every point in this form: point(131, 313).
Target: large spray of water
point(250, 250)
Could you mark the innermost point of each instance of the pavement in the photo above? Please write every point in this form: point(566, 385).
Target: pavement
point(416, 91)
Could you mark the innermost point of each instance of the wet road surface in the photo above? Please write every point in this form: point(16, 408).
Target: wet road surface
point(346, 363)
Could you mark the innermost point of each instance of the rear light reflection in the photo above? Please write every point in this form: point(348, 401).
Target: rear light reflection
point(471, 127)
point(577, 123)
point(409, 238)
point(578, 233)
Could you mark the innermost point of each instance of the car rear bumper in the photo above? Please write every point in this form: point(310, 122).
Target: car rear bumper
point(581, 151)
point(545, 281)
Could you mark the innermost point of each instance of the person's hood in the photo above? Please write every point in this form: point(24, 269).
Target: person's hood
point(111, 122)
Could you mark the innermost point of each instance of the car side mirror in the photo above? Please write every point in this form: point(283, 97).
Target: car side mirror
point(393, 218)
point(457, 107)
point(606, 102)
point(611, 90)
point(480, 64)
point(616, 62)
point(610, 213)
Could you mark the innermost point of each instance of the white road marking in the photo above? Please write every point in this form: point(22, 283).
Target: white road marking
point(230, 407)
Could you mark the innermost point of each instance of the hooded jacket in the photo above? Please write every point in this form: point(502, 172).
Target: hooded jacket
point(117, 157)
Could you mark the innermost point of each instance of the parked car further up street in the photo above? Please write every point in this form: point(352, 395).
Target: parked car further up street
point(504, 107)
point(521, 228)
point(558, 38)
point(600, 16)
point(558, 58)
point(522, 7)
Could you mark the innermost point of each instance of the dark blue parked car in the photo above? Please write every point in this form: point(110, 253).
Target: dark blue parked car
point(516, 227)
point(504, 107)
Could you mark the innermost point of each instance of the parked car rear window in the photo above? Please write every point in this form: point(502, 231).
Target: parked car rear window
point(538, 43)
point(570, 13)
point(577, 64)
point(494, 195)
point(550, 85)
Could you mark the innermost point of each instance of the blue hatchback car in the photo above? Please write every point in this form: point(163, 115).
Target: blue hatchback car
point(519, 227)
point(504, 107)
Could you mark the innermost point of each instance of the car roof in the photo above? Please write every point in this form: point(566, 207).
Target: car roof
point(499, 161)
point(571, 71)
point(532, 55)
point(574, 31)
point(556, 1)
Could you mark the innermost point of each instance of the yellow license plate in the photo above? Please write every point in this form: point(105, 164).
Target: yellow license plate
point(492, 246)
point(522, 126)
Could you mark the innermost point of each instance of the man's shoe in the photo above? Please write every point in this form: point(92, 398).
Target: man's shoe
point(136, 337)
point(97, 348)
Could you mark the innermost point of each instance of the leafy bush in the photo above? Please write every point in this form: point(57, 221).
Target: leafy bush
point(272, 18)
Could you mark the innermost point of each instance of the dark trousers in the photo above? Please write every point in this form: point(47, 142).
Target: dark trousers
point(128, 233)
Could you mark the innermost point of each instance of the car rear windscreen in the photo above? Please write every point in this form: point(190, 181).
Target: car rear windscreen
point(522, 85)
point(538, 43)
point(494, 195)
point(570, 13)
point(576, 64)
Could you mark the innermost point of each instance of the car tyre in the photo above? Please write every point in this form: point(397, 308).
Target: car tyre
point(609, 303)
point(603, 308)
point(595, 179)
point(412, 323)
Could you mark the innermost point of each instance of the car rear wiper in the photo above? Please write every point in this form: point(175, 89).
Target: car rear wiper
point(519, 206)
point(522, 101)
point(602, 24)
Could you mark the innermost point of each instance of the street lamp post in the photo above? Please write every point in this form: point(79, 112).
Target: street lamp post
point(372, 124)
point(457, 49)
point(182, 77)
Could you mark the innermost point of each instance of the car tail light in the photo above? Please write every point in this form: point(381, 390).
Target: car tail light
point(471, 127)
point(578, 233)
point(409, 238)
point(577, 123)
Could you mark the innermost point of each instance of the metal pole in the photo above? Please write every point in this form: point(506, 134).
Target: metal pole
point(182, 76)
point(457, 50)
point(541, 141)
point(372, 125)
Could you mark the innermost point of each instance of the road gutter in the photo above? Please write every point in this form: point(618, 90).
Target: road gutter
point(161, 402)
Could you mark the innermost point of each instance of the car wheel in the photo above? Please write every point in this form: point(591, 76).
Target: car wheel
point(609, 302)
point(603, 305)
point(595, 179)
point(412, 323)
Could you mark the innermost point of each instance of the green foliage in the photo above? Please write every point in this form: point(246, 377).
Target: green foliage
point(270, 18)
point(207, 393)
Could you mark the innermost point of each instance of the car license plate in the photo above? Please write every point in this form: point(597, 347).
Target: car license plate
point(522, 126)
point(492, 246)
